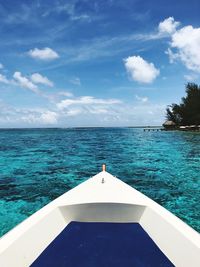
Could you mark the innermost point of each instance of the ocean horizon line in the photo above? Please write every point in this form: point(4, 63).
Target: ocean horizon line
point(79, 127)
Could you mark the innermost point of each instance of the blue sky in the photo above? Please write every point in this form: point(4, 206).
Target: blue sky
point(95, 63)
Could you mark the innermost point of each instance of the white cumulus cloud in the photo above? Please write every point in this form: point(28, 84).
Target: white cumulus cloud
point(1, 66)
point(168, 26)
point(25, 82)
point(185, 46)
point(140, 70)
point(43, 54)
point(38, 78)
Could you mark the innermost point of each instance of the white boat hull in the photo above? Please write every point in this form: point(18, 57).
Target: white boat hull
point(102, 198)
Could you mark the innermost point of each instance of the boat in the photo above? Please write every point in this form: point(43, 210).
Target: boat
point(101, 222)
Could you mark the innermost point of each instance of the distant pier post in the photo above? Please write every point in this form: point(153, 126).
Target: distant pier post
point(152, 129)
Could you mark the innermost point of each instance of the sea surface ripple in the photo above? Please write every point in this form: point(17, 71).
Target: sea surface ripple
point(38, 165)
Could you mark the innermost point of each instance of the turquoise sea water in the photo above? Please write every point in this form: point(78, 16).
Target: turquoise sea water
point(38, 165)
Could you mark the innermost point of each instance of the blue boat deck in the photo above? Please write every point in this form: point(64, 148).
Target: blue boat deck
point(97, 244)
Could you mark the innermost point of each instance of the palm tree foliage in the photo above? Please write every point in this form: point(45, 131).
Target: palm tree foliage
point(188, 111)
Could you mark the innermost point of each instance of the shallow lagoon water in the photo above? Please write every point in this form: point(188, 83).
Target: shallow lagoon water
point(38, 165)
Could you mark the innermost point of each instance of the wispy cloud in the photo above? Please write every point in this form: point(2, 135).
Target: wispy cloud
point(17, 16)
point(70, 10)
point(25, 82)
point(86, 100)
point(143, 99)
point(39, 79)
point(65, 93)
point(102, 47)
point(191, 77)
point(75, 81)
point(3, 79)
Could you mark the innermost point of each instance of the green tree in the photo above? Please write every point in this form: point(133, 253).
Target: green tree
point(188, 111)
